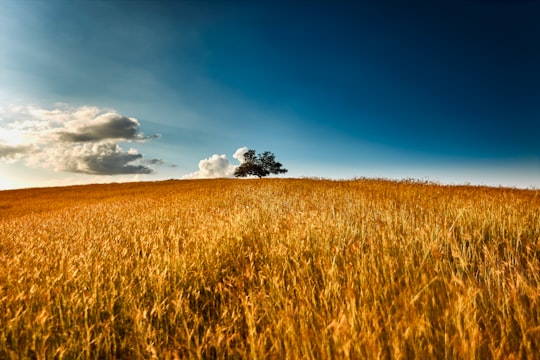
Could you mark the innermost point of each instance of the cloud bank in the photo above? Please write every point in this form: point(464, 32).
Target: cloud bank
point(78, 140)
point(217, 166)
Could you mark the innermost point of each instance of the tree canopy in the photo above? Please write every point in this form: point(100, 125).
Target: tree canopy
point(259, 165)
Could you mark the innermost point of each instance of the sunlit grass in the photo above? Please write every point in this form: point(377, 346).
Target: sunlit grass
point(272, 268)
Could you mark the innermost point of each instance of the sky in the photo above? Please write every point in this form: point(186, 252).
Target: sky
point(111, 91)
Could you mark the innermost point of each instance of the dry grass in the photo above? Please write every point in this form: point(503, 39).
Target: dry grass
point(273, 268)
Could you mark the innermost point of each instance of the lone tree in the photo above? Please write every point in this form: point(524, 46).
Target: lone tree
point(259, 165)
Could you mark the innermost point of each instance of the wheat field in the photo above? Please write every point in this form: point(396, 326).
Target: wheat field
point(270, 269)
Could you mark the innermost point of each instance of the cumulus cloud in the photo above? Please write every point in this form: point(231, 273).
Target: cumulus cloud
point(8, 152)
point(79, 140)
point(217, 166)
point(100, 159)
point(106, 126)
point(239, 154)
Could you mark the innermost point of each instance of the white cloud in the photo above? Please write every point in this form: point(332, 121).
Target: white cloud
point(239, 154)
point(217, 166)
point(80, 140)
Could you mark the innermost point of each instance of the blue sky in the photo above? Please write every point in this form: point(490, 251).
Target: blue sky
point(103, 91)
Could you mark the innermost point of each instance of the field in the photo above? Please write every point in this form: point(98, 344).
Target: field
point(271, 268)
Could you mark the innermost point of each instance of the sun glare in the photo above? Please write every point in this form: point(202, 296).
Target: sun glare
point(5, 184)
point(11, 137)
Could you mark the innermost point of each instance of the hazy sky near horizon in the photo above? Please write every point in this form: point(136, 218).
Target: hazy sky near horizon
point(104, 91)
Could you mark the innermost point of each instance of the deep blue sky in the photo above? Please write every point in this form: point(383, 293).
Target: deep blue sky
point(445, 90)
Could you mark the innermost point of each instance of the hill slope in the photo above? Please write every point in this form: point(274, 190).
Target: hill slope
point(269, 268)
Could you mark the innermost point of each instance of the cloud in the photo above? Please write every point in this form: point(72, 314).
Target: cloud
point(79, 140)
point(154, 162)
point(8, 152)
point(217, 166)
point(239, 154)
point(104, 127)
point(100, 159)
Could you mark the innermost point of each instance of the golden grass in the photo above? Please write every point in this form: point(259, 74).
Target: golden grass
point(272, 268)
